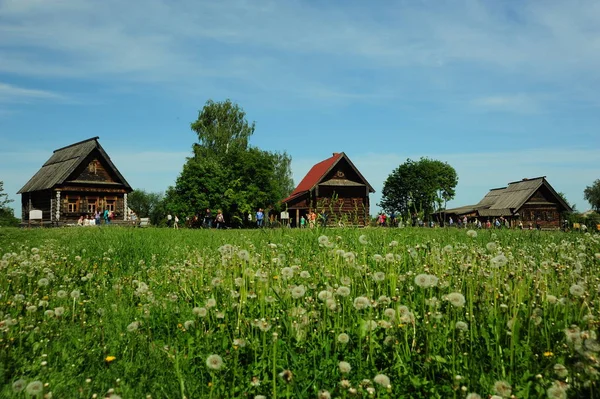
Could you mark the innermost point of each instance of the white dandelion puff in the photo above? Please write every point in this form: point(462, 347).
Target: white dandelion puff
point(214, 362)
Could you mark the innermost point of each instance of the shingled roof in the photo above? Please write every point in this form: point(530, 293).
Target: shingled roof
point(318, 172)
point(503, 201)
point(63, 162)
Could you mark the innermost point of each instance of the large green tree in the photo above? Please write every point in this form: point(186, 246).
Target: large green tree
point(592, 195)
point(420, 187)
point(225, 172)
point(7, 217)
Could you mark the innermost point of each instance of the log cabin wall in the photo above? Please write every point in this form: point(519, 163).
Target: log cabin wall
point(343, 204)
point(38, 200)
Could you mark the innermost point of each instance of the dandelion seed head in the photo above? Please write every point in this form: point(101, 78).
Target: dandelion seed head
point(363, 239)
point(503, 388)
point(361, 303)
point(382, 380)
point(344, 367)
point(35, 388)
point(19, 385)
point(214, 362)
point(472, 233)
point(577, 290)
point(456, 299)
point(343, 338)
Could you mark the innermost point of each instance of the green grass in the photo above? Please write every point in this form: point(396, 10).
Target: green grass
point(162, 301)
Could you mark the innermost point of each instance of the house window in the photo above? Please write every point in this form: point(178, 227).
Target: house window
point(73, 205)
point(92, 167)
point(92, 205)
point(110, 205)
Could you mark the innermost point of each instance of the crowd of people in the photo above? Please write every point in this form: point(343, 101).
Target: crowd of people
point(96, 219)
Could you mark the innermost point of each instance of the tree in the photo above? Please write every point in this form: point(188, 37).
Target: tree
point(7, 217)
point(419, 187)
point(222, 126)
point(592, 195)
point(147, 205)
point(225, 172)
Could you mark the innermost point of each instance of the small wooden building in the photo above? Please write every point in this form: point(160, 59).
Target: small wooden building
point(334, 187)
point(77, 180)
point(531, 201)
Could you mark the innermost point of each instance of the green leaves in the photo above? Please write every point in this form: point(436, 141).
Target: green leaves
point(419, 187)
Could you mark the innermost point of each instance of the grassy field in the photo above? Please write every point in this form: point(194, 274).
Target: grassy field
point(384, 313)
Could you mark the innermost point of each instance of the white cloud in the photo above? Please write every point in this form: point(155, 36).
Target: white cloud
point(15, 94)
point(303, 48)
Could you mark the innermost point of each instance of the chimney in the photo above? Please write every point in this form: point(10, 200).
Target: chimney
point(336, 154)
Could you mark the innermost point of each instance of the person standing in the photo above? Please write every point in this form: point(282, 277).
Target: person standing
point(208, 218)
point(169, 220)
point(260, 216)
point(220, 219)
point(176, 224)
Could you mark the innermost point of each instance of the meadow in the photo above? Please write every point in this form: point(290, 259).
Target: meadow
point(324, 313)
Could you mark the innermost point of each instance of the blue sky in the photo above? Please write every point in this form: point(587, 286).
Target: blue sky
point(500, 89)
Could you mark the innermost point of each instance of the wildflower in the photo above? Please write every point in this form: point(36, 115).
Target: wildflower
point(323, 394)
point(201, 312)
point(18, 385)
point(472, 233)
point(214, 362)
point(560, 370)
point(457, 299)
point(287, 273)
point(260, 397)
point(49, 313)
point(422, 280)
point(286, 375)
point(503, 388)
point(59, 311)
point(363, 239)
point(577, 290)
point(298, 291)
point(448, 248)
point(323, 240)
point(461, 326)
point(349, 257)
point(499, 261)
point(345, 280)
point(361, 302)
point(133, 326)
point(188, 324)
point(241, 342)
point(35, 388)
point(343, 291)
point(379, 276)
point(43, 282)
point(473, 396)
point(389, 313)
point(211, 303)
point(592, 345)
point(393, 243)
point(343, 338)
point(377, 258)
point(382, 380)
point(551, 299)
point(31, 308)
point(491, 246)
point(344, 367)
point(324, 295)
point(558, 390)
point(109, 359)
point(243, 255)
point(304, 274)
point(61, 294)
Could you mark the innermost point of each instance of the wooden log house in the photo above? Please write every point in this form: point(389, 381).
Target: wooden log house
point(77, 180)
point(531, 201)
point(333, 186)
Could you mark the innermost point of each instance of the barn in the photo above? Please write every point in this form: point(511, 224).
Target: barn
point(77, 180)
point(528, 200)
point(335, 187)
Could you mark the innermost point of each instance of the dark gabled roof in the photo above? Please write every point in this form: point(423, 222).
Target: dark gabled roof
point(318, 172)
point(505, 200)
point(63, 162)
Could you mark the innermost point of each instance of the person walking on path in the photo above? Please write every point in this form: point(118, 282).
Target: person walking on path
point(260, 216)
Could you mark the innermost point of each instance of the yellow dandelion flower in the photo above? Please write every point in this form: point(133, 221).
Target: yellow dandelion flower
point(275, 277)
point(548, 354)
point(109, 359)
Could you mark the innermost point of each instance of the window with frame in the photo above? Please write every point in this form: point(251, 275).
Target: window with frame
point(72, 205)
point(92, 205)
point(110, 205)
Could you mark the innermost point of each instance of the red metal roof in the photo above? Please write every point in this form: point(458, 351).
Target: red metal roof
point(314, 175)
